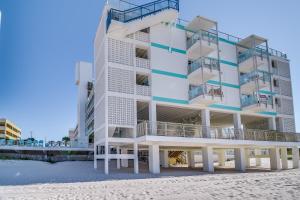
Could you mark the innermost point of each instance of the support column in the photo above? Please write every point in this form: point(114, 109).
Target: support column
point(95, 156)
point(272, 123)
point(237, 122)
point(221, 157)
point(208, 159)
point(152, 118)
point(295, 154)
point(118, 160)
point(136, 158)
point(275, 158)
point(106, 158)
point(257, 160)
point(205, 117)
point(239, 159)
point(284, 158)
point(247, 158)
point(154, 166)
point(165, 159)
point(124, 162)
point(191, 159)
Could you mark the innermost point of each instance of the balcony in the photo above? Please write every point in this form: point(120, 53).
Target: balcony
point(129, 21)
point(205, 94)
point(202, 70)
point(140, 36)
point(201, 44)
point(142, 63)
point(256, 79)
point(249, 58)
point(169, 129)
point(262, 103)
point(143, 90)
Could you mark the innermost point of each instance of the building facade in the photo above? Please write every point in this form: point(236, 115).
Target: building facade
point(9, 131)
point(163, 84)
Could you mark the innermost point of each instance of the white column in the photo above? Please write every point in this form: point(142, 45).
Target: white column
point(205, 117)
point(136, 158)
point(208, 159)
point(284, 158)
point(124, 162)
point(152, 118)
point(247, 158)
point(272, 123)
point(118, 160)
point(95, 157)
point(239, 159)
point(191, 159)
point(106, 158)
point(165, 159)
point(257, 160)
point(295, 154)
point(154, 165)
point(275, 158)
point(221, 157)
point(237, 122)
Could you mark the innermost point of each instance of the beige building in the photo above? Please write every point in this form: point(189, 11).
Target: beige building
point(9, 130)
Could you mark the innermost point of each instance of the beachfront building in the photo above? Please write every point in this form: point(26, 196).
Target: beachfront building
point(82, 135)
point(9, 131)
point(164, 85)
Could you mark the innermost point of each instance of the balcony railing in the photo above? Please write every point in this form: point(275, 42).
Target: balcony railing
point(205, 62)
point(261, 53)
point(143, 90)
point(142, 63)
point(252, 76)
point(140, 36)
point(254, 100)
point(168, 129)
point(205, 89)
point(210, 37)
point(140, 12)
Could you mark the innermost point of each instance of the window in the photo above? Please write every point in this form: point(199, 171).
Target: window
point(277, 102)
point(142, 80)
point(146, 30)
point(275, 82)
point(274, 64)
point(141, 53)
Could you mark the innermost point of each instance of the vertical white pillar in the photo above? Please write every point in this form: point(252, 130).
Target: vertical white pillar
point(239, 159)
point(205, 117)
point(95, 157)
point(165, 159)
point(136, 158)
point(152, 118)
point(208, 159)
point(257, 158)
point(191, 159)
point(274, 158)
point(118, 159)
point(295, 154)
point(106, 158)
point(237, 122)
point(284, 158)
point(272, 123)
point(221, 157)
point(154, 166)
point(247, 158)
point(124, 162)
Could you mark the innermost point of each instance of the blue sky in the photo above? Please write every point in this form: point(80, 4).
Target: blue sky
point(40, 41)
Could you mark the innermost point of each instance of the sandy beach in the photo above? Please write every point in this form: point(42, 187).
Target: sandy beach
point(78, 180)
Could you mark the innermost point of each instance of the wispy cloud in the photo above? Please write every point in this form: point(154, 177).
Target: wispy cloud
point(0, 18)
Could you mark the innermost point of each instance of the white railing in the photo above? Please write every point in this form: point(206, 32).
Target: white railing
point(140, 36)
point(145, 128)
point(142, 63)
point(143, 90)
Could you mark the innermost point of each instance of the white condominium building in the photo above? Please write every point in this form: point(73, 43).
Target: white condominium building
point(164, 85)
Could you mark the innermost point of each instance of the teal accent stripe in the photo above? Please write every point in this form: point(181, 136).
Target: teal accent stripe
point(228, 63)
point(156, 71)
point(267, 92)
point(223, 84)
point(268, 113)
point(179, 26)
point(170, 100)
point(165, 47)
point(225, 107)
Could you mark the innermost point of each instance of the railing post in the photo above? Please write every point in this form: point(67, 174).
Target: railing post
point(146, 129)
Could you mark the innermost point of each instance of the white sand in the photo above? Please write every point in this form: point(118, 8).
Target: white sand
point(78, 180)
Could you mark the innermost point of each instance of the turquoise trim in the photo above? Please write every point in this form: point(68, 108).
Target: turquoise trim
point(161, 46)
point(228, 63)
point(181, 27)
point(170, 100)
point(267, 92)
point(219, 106)
point(268, 113)
point(223, 84)
point(156, 71)
point(227, 41)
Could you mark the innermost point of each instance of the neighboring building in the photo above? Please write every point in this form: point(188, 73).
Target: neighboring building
point(162, 85)
point(8, 130)
point(82, 135)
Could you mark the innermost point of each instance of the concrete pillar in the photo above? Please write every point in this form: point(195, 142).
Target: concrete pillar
point(221, 157)
point(106, 161)
point(257, 160)
point(95, 156)
point(237, 122)
point(272, 123)
point(295, 154)
point(284, 158)
point(152, 118)
point(205, 117)
point(274, 158)
point(240, 159)
point(154, 166)
point(191, 159)
point(165, 159)
point(136, 158)
point(247, 158)
point(124, 162)
point(208, 159)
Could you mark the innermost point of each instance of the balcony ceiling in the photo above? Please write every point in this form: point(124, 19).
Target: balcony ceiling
point(248, 41)
point(200, 23)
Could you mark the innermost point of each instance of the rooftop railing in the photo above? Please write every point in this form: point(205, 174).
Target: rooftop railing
point(205, 89)
point(169, 129)
point(205, 62)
